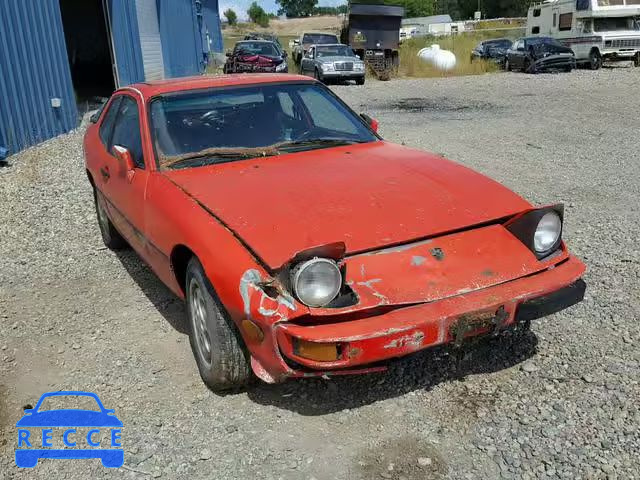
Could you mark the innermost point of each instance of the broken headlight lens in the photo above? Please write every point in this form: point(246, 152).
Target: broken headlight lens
point(316, 282)
point(547, 232)
point(281, 67)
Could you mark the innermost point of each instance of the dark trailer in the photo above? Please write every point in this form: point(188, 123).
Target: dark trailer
point(373, 32)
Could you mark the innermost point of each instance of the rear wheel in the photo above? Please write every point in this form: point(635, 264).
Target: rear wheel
point(110, 236)
point(595, 60)
point(220, 354)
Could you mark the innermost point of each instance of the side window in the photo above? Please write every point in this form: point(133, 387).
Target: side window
point(126, 132)
point(324, 113)
point(535, 30)
point(565, 21)
point(106, 127)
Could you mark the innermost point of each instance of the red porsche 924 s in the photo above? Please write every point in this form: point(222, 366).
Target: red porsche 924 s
point(304, 244)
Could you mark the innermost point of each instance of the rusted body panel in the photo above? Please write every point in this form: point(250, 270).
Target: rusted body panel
point(422, 242)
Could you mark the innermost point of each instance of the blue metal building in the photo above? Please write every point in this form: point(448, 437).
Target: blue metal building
point(55, 54)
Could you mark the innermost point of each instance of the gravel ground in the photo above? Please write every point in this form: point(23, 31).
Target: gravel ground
point(563, 403)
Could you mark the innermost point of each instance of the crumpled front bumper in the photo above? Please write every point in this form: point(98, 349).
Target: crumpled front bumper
point(553, 62)
point(398, 332)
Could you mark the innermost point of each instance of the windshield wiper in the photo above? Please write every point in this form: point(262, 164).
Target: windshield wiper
point(317, 142)
point(216, 155)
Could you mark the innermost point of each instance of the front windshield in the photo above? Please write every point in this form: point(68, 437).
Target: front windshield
point(257, 48)
point(616, 24)
point(334, 51)
point(221, 125)
point(498, 44)
point(319, 38)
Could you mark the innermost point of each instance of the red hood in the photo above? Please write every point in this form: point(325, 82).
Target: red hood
point(367, 196)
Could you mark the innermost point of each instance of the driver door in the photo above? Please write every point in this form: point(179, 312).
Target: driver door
point(126, 187)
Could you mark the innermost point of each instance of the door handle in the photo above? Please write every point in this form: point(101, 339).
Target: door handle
point(104, 171)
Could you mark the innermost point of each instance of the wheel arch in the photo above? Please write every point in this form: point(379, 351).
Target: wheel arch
point(179, 259)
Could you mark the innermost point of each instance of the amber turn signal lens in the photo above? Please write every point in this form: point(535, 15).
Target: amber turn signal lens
point(320, 352)
point(252, 331)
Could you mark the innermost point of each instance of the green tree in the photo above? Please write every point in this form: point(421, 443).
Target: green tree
point(257, 15)
point(296, 8)
point(232, 18)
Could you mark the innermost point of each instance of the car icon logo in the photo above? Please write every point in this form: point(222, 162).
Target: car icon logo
point(69, 433)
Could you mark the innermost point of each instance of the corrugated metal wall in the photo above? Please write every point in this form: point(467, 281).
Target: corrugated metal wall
point(181, 40)
point(125, 37)
point(212, 22)
point(150, 43)
point(33, 70)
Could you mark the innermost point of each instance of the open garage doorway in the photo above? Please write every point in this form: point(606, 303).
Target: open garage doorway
point(88, 50)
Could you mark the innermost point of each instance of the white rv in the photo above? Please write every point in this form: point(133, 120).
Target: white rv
point(596, 30)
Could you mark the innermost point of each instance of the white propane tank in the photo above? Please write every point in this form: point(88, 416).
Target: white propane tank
point(441, 59)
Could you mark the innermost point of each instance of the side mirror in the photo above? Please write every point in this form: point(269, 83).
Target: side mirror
point(228, 53)
point(29, 411)
point(124, 155)
point(285, 54)
point(373, 124)
point(296, 41)
point(95, 117)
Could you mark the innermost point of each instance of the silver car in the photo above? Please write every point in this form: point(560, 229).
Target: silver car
point(333, 62)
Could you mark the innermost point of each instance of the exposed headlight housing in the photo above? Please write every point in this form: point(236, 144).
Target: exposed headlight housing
point(281, 67)
point(316, 282)
point(547, 232)
point(327, 67)
point(540, 230)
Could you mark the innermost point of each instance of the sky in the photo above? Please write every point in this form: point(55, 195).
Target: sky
point(241, 6)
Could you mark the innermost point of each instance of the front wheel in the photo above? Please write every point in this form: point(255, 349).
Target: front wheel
point(220, 354)
point(595, 60)
point(636, 59)
point(360, 81)
point(317, 75)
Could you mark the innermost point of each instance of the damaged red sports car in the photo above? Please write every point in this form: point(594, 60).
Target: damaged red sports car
point(303, 243)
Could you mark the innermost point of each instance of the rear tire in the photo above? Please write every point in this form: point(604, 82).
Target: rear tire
point(110, 236)
point(595, 60)
point(220, 353)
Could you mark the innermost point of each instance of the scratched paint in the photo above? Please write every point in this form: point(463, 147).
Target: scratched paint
point(418, 260)
point(268, 306)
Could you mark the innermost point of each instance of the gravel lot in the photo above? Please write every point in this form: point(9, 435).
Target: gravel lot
point(564, 403)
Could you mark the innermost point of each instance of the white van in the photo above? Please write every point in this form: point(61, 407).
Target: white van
point(596, 30)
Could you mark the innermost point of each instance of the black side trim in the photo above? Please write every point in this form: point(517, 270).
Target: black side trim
point(253, 253)
point(551, 303)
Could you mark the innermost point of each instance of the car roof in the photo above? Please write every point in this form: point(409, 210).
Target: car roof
point(255, 40)
point(159, 87)
point(330, 45)
point(320, 33)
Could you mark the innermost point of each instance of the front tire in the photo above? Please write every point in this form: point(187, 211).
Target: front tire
point(507, 65)
point(317, 75)
point(222, 359)
point(360, 81)
point(110, 236)
point(636, 59)
point(595, 60)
